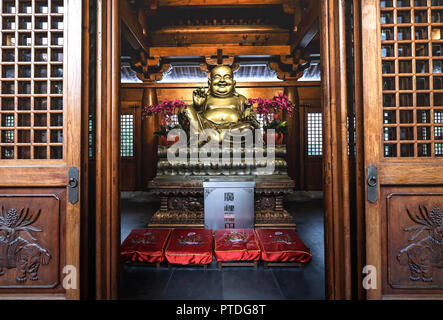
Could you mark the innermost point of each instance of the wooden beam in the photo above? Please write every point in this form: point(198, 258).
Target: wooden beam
point(129, 36)
point(221, 29)
point(130, 19)
point(201, 3)
point(195, 85)
point(195, 51)
point(308, 27)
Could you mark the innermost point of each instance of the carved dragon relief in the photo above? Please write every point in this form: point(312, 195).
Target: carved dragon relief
point(425, 250)
point(181, 204)
point(16, 251)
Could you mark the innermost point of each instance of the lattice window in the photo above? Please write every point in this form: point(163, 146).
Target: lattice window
point(315, 136)
point(412, 83)
point(31, 79)
point(127, 135)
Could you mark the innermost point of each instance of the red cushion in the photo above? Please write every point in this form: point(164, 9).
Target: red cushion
point(190, 246)
point(236, 245)
point(145, 245)
point(282, 245)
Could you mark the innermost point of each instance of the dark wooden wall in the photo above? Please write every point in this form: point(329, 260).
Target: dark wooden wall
point(130, 166)
point(138, 170)
point(310, 169)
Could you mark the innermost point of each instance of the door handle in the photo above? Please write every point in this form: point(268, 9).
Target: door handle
point(73, 185)
point(372, 180)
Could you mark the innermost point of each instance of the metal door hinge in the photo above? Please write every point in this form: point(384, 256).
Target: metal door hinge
point(73, 185)
point(372, 180)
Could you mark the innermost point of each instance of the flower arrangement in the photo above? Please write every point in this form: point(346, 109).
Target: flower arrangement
point(166, 109)
point(269, 110)
point(265, 107)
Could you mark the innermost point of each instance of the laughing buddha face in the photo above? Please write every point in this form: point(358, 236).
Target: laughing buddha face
point(222, 81)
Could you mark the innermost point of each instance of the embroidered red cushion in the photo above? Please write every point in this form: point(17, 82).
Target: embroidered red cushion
point(190, 246)
point(236, 245)
point(145, 245)
point(282, 245)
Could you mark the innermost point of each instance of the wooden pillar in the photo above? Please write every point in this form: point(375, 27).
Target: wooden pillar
point(292, 138)
point(149, 140)
point(335, 153)
point(108, 151)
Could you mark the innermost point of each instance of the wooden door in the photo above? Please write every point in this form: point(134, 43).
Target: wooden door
point(403, 131)
point(40, 138)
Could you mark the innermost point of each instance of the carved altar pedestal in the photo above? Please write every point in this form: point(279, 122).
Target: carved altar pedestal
point(182, 201)
point(180, 188)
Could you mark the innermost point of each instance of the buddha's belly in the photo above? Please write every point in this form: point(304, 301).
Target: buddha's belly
point(222, 115)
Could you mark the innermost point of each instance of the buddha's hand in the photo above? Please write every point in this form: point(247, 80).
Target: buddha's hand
point(247, 113)
point(199, 96)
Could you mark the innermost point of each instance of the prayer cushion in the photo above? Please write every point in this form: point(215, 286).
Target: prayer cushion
point(145, 245)
point(282, 245)
point(190, 246)
point(236, 245)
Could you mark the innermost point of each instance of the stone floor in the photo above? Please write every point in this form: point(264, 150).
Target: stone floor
point(232, 283)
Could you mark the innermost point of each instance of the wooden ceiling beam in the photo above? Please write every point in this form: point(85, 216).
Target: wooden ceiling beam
point(197, 51)
point(207, 3)
point(308, 27)
point(130, 19)
point(129, 37)
point(221, 29)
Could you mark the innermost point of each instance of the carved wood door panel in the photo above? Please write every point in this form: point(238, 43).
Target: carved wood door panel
point(403, 138)
point(40, 116)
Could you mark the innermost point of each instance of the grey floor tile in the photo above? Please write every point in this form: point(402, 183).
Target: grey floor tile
point(143, 283)
point(250, 285)
point(192, 284)
point(299, 284)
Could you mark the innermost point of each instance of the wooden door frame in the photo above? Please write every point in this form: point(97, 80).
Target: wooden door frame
point(335, 159)
point(107, 248)
point(335, 155)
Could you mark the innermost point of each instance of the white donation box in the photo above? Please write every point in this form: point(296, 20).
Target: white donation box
point(229, 205)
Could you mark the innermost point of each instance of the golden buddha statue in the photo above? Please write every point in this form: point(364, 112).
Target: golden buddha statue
point(220, 108)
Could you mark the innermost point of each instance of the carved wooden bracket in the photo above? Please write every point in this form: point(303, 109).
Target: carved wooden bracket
point(150, 68)
point(291, 67)
point(220, 59)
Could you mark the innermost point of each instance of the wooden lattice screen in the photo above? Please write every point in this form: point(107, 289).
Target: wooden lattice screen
point(412, 82)
point(31, 69)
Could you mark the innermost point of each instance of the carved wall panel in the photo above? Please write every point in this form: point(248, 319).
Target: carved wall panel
point(31, 226)
point(414, 240)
